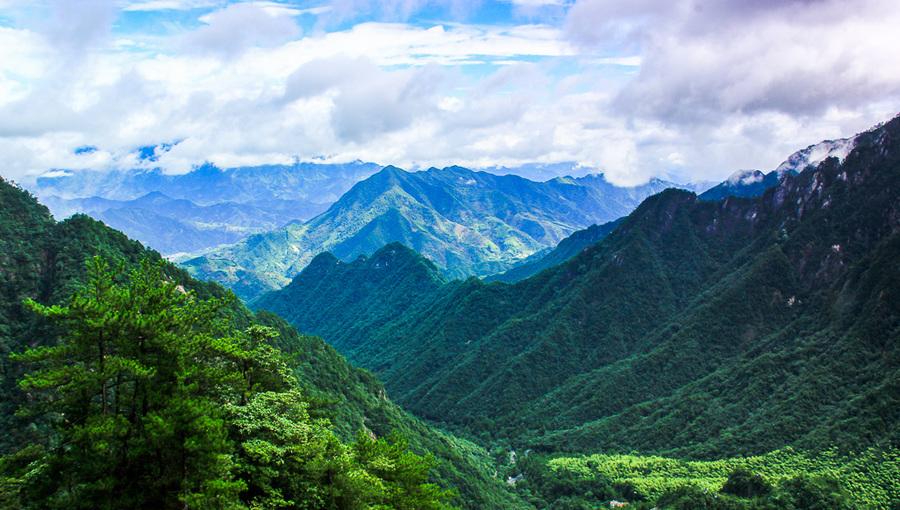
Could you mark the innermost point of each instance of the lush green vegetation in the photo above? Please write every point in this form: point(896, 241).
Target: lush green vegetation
point(868, 479)
point(696, 329)
point(746, 348)
point(155, 400)
point(44, 260)
point(565, 250)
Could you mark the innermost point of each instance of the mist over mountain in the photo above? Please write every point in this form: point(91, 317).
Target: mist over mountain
point(204, 208)
point(310, 183)
point(201, 209)
point(753, 183)
point(468, 223)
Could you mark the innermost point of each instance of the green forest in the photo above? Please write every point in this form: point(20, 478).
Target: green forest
point(193, 383)
point(152, 399)
point(696, 330)
point(731, 354)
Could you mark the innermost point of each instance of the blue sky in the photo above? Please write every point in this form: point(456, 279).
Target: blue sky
point(139, 15)
point(689, 90)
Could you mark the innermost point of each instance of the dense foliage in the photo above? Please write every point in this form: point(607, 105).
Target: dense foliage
point(781, 479)
point(757, 334)
point(697, 329)
point(565, 250)
point(468, 223)
point(156, 401)
point(44, 260)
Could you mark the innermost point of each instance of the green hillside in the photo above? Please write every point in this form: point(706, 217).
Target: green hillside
point(696, 328)
point(565, 250)
point(45, 260)
point(467, 223)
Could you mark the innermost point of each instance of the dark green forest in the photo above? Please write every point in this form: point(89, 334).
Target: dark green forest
point(127, 384)
point(695, 330)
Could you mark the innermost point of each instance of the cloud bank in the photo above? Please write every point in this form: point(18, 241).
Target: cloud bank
point(686, 90)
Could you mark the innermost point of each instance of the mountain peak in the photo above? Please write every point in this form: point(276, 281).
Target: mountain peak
point(457, 169)
point(154, 196)
point(321, 265)
point(397, 251)
point(391, 169)
point(745, 177)
point(816, 153)
point(469, 223)
point(206, 169)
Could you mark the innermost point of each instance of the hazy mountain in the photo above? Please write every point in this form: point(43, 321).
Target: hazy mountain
point(174, 226)
point(695, 328)
point(204, 208)
point(309, 183)
point(468, 223)
point(542, 171)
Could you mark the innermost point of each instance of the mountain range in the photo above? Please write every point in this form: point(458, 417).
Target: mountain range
point(565, 250)
point(468, 223)
point(760, 326)
point(177, 225)
point(743, 183)
point(311, 183)
point(695, 328)
point(201, 209)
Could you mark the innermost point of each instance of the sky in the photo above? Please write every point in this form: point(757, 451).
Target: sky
point(688, 91)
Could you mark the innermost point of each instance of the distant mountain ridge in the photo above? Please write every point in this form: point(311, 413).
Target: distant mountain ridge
point(201, 209)
point(467, 222)
point(175, 226)
point(311, 183)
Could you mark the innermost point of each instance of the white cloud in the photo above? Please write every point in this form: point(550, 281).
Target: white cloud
point(366, 100)
point(705, 60)
point(237, 27)
point(395, 44)
point(77, 27)
point(624, 87)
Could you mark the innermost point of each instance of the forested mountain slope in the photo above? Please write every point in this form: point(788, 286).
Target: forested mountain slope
point(696, 328)
point(467, 223)
point(45, 260)
point(565, 250)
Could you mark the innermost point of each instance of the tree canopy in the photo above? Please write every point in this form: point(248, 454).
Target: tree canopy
point(155, 400)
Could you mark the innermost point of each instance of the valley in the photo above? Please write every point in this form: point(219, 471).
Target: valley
point(671, 334)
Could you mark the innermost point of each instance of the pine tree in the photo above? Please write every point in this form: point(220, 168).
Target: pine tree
point(155, 400)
